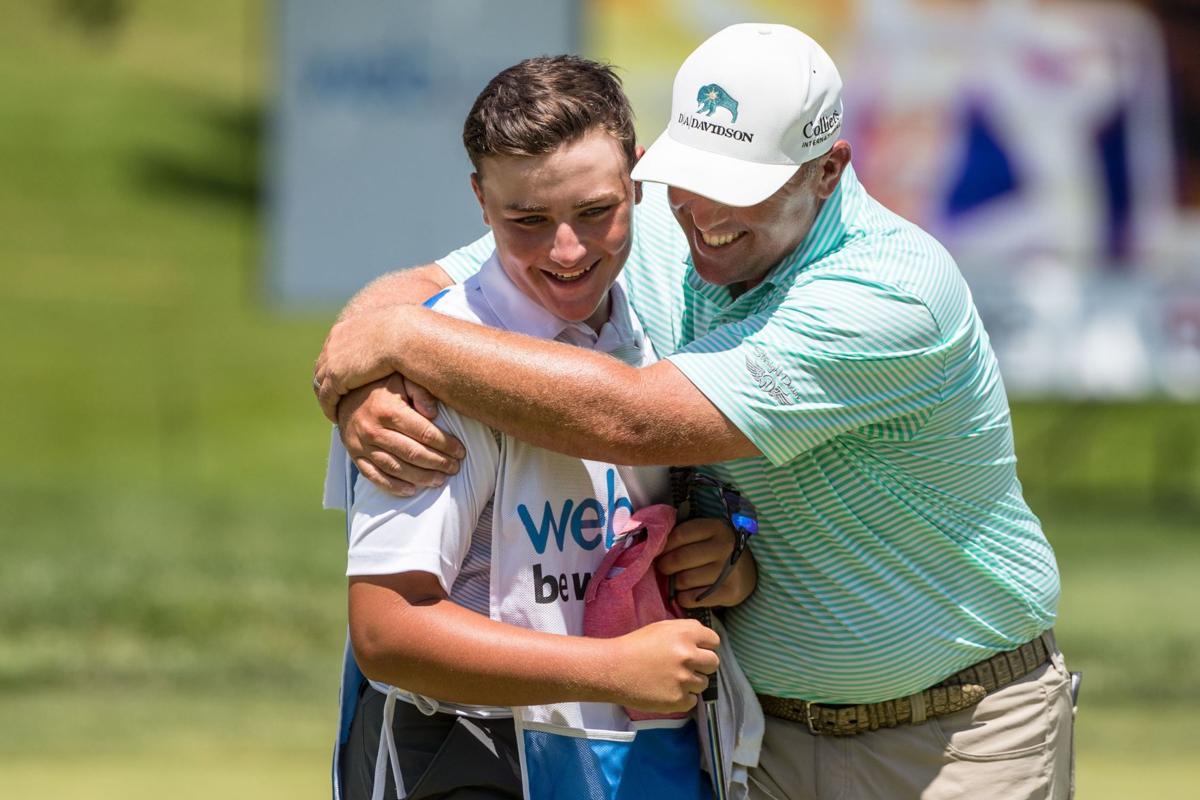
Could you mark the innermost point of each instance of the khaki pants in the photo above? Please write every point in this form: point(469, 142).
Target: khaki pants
point(1016, 744)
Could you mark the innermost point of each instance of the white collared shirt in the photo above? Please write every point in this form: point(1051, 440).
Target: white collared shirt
point(447, 532)
point(498, 302)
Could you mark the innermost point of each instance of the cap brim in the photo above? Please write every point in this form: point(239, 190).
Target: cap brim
point(718, 177)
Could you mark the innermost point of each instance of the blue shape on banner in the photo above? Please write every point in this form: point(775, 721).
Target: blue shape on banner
point(987, 171)
point(1112, 140)
point(396, 76)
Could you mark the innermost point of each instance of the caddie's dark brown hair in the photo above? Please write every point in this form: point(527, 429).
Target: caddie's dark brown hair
point(534, 107)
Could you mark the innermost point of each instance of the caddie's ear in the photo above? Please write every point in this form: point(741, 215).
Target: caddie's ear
point(477, 188)
point(638, 152)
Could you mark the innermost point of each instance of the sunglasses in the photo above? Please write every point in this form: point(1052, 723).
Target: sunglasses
point(738, 511)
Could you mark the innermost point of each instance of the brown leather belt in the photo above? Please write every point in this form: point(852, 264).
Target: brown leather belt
point(961, 690)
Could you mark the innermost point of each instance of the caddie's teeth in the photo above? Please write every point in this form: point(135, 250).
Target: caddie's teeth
point(720, 240)
point(570, 276)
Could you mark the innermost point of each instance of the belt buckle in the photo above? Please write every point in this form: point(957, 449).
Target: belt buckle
point(809, 715)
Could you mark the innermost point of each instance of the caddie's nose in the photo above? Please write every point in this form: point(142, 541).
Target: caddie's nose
point(567, 250)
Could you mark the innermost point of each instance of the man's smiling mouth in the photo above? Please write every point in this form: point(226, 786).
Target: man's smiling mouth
point(721, 239)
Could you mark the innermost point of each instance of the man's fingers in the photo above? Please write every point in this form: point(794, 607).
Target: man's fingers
point(700, 578)
point(411, 453)
point(411, 437)
point(389, 465)
point(395, 486)
point(424, 402)
point(694, 556)
point(353, 401)
point(688, 598)
point(397, 385)
point(328, 396)
point(691, 532)
point(734, 589)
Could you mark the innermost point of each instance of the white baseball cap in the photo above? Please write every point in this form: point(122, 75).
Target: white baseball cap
point(750, 105)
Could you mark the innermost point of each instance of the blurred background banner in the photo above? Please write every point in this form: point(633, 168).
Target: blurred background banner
point(172, 598)
point(1034, 139)
point(366, 151)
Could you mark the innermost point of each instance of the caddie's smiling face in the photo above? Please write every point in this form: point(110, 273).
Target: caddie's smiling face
point(562, 222)
point(740, 245)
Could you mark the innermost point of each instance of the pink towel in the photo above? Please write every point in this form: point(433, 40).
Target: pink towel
point(626, 592)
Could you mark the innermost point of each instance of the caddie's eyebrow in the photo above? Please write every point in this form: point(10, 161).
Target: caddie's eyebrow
point(607, 198)
point(524, 209)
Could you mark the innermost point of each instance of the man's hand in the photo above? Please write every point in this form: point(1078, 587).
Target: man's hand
point(356, 352)
point(662, 667)
point(383, 295)
point(695, 553)
point(387, 431)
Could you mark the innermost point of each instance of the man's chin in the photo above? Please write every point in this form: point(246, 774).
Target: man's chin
point(715, 274)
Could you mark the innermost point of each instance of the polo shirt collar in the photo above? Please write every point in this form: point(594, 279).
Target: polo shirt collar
point(518, 313)
point(515, 310)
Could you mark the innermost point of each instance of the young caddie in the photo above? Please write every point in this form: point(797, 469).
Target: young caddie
point(466, 602)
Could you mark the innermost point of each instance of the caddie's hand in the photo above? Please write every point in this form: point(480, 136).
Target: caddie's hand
point(695, 553)
point(387, 431)
point(665, 665)
point(356, 352)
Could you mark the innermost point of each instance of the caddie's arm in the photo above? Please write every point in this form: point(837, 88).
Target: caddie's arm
point(404, 555)
point(405, 632)
point(552, 395)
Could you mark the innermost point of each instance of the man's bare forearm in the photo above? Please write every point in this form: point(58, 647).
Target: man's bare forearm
point(560, 397)
point(410, 286)
point(563, 398)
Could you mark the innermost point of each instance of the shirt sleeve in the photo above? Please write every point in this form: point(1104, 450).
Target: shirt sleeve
point(337, 472)
point(431, 531)
point(833, 356)
point(466, 261)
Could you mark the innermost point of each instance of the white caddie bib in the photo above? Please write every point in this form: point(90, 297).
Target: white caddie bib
point(554, 517)
point(547, 538)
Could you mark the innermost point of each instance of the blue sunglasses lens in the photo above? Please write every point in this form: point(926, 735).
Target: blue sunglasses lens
point(744, 522)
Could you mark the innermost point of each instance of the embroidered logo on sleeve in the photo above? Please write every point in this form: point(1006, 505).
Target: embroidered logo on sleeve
point(770, 378)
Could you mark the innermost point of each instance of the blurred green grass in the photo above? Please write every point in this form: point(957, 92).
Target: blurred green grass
point(171, 599)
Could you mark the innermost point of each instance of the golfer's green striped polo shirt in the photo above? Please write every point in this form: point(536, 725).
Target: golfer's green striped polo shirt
point(895, 547)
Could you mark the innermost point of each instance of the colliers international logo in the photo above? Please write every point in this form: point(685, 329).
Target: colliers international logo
point(821, 129)
point(710, 98)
